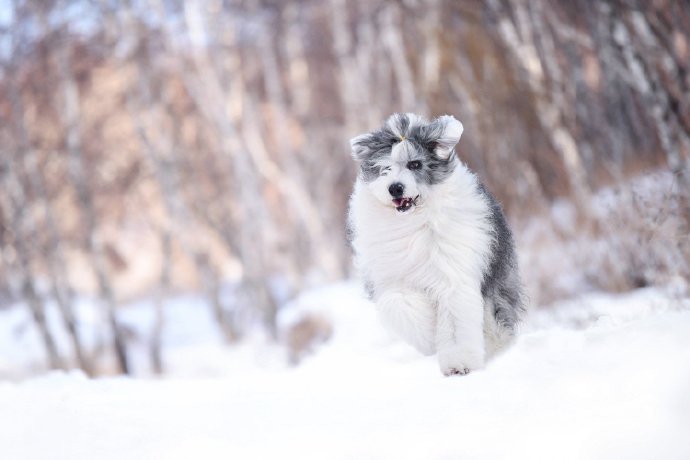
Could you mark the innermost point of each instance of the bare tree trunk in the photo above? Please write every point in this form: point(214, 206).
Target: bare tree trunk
point(56, 264)
point(178, 215)
point(391, 31)
point(60, 289)
point(520, 36)
point(348, 70)
point(251, 234)
point(164, 160)
point(94, 243)
point(23, 236)
point(284, 173)
point(298, 68)
point(37, 308)
point(155, 348)
point(431, 61)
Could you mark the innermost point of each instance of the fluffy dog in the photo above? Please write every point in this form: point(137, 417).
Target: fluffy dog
point(432, 244)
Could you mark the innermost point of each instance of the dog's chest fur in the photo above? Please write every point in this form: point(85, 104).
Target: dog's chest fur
point(441, 248)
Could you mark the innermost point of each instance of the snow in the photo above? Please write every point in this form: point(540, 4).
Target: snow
point(601, 377)
point(631, 233)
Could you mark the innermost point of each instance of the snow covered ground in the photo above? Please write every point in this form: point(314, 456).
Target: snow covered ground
point(599, 378)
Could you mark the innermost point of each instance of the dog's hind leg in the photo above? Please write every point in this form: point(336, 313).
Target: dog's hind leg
point(411, 315)
point(496, 337)
point(459, 332)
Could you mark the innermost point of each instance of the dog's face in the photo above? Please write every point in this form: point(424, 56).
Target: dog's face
point(403, 160)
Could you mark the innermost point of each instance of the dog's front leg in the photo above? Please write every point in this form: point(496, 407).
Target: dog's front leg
point(459, 332)
point(411, 315)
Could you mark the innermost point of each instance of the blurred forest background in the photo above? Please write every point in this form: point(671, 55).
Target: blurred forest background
point(154, 147)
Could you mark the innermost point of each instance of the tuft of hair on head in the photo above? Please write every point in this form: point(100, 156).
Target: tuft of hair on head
point(445, 132)
point(366, 144)
point(401, 125)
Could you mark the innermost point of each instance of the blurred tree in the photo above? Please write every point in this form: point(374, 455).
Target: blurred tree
point(219, 131)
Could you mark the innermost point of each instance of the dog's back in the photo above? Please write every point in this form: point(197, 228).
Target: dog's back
point(501, 286)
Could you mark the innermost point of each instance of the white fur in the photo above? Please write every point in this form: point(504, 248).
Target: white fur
point(451, 135)
point(395, 170)
point(426, 265)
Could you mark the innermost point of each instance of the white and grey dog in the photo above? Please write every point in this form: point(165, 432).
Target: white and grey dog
point(432, 244)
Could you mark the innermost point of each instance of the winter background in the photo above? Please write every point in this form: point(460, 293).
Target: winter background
point(175, 279)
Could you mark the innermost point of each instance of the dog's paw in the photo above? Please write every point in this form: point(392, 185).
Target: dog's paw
point(454, 371)
point(456, 360)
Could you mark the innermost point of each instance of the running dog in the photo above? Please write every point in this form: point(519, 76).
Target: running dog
point(432, 244)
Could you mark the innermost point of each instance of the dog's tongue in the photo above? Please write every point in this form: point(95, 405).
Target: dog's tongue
point(402, 204)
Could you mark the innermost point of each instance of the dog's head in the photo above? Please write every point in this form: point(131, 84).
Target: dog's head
point(402, 160)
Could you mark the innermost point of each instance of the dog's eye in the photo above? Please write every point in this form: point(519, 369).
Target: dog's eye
point(385, 171)
point(414, 164)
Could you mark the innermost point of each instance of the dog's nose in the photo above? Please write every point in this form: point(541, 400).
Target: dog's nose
point(396, 189)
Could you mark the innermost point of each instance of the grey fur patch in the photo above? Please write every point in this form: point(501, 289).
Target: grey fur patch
point(425, 137)
point(501, 283)
point(370, 148)
point(369, 289)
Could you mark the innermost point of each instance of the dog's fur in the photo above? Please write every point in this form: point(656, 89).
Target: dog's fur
point(439, 261)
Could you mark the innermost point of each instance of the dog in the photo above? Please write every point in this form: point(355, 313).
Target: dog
point(432, 244)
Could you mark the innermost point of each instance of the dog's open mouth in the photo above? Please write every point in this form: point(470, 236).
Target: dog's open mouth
point(405, 204)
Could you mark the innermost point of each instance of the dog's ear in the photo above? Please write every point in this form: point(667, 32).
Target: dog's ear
point(360, 146)
point(444, 133)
